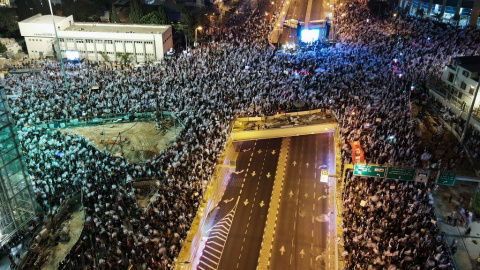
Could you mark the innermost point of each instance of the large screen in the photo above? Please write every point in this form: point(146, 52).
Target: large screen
point(72, 55)
point(309, 35)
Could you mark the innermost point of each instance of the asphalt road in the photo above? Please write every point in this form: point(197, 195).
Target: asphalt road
point(303, 226)
point(234, 240)
point(298, 10)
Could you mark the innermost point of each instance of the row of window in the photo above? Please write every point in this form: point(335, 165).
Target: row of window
point(463, 85)
point(100, 41)
point(165, 40)
point(111, 53)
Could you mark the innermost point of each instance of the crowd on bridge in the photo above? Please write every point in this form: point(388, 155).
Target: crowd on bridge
point(365, 80)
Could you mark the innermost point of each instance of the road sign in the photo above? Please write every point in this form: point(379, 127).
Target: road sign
point(324, 176)
point(446, 178)
point(401, 173)
point(422, 176)
point(369, 170)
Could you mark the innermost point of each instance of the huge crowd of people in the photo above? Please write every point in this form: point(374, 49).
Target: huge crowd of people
point(364, 79)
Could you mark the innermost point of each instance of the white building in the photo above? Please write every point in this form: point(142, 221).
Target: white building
point(462, 78)
point(144, 42)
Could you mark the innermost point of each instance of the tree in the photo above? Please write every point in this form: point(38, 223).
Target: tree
point(82, 10)
point(105, 57)
point(135, 13)
point(23, 10)
point(125, 58)
point(150, 18)
point(3, 48)
point(162, 15)
point(8, 23)
point(114, 15)
point(154, 17)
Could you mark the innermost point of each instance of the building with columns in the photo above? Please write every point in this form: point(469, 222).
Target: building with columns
point(95, 41)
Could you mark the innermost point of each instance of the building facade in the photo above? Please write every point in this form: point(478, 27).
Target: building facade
point(462, 78)
point(16, 204)
point(95, 41)
point(461, 12)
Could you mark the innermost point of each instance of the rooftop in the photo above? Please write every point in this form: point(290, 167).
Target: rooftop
point(43, 19)
point(115, 27)
point(470, 63)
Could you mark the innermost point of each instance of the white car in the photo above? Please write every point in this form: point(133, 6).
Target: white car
point(292, 23)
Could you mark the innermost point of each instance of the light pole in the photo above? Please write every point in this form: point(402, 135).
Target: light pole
point(469, 114)
point(196, 33)
point(58, 44)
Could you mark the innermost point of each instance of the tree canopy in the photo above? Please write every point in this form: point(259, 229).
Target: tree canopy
point(3, 48)
point(155, 17)
point(135, 14)
point(114, 15)
point(8, 24)
point(82, 10)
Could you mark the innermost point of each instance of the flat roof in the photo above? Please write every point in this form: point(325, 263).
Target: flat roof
point(471, 63)
point(118, 28)
point(43, 19)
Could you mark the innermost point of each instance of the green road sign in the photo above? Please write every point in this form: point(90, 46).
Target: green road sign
point(369, 170)
point(446, 178)
point(401, 173)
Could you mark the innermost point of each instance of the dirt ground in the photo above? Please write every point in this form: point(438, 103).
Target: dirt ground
point(59, 252)
point(142, 140)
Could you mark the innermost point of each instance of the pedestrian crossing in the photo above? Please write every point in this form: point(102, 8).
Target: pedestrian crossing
point(218, 234)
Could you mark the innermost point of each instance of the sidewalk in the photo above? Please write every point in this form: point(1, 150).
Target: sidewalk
point(468, 245)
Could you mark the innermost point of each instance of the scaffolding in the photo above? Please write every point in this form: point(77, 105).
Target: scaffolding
point(16, 204)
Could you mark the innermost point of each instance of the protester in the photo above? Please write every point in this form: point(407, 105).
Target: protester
point(364, 80)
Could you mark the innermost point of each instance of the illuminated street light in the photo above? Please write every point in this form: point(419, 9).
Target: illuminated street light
point(196, 29)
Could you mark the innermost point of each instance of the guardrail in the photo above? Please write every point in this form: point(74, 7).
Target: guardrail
point(76, 122)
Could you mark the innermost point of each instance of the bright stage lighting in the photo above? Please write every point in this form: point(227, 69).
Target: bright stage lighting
point(72, 55)
point(310, 35)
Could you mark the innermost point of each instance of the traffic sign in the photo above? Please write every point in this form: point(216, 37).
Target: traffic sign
point(401, 173)
point(422, 176)
point(324, 176)
point(446, 178)
point(369, 170)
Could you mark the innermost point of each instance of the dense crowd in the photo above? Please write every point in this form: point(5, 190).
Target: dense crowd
point(365, 79)
point(391, 225)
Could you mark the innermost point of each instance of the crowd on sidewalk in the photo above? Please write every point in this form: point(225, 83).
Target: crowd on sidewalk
point(365, 79)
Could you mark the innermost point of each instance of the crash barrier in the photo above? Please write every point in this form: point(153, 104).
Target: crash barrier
point(212, 196)
point(281, 115)
point(132, 117)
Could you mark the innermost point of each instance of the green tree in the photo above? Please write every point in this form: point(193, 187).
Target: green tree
point(162, 16)
point(8, 24)
point(114, 15)
point(125, 58)
point(82, 10)
point(135, 13)
point(189, 20)
point(3, 48)
point(105, 57)
point(150, 18)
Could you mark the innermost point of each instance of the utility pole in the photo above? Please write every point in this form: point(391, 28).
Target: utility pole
point(58, 44)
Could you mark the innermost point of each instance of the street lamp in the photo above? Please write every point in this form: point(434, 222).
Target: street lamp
point(58, 44)
point(196, 29)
